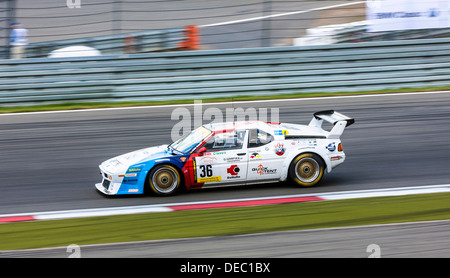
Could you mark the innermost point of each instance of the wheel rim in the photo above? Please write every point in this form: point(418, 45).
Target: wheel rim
point(165, 180)
point(307, 169)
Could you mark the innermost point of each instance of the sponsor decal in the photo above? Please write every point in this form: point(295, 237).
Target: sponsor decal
point(307, 144)
point(331, 147)
point(312, 142)
point(306, 148)
point(255, 156)
point(336, 158)
point(134, 170)
point(195, 169)
point(131, 175)
point(130, 180)
point(133, 190)
point(232, 159)
point(233, 170)
point(210, 179)
point(208, 159)
point(261, 170)
point(281, 132)
point(280, 149)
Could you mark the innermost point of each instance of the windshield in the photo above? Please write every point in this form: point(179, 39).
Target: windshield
point(187, 143)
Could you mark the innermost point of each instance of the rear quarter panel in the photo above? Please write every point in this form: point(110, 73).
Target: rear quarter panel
point(325, 148)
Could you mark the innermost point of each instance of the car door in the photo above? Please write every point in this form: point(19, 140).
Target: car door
point(224, 161)
point(265, 156)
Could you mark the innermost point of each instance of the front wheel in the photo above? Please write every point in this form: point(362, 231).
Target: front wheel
point(164, 180)
point(306, 169)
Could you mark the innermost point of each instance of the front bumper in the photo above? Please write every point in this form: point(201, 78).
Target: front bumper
point(110, 184)
point(108, 191)
point(102, 189)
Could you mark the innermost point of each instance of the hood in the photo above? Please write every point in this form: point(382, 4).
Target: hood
point(121, 163)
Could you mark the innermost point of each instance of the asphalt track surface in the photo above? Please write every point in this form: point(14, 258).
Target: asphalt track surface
point(50, 160)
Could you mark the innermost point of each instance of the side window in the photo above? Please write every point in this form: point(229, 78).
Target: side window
point(258, 137)
point(226, 141)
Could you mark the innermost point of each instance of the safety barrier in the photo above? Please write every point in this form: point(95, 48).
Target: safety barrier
point(137, 42)
point(227, 73)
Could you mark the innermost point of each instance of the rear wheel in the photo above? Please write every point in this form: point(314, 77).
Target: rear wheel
point(306, 169)
point(164, 180)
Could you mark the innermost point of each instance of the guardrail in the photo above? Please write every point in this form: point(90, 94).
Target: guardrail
point(226, 73)
point(139, 42)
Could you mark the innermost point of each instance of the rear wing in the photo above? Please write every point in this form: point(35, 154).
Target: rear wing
point(340, 122)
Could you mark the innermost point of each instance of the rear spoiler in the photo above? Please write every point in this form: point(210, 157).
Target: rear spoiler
point(340, 122)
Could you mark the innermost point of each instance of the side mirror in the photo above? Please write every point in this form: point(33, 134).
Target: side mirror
point(202, 151)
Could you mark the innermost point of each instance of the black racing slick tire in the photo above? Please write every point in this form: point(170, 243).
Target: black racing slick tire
point(164, 180)
point(306, 169)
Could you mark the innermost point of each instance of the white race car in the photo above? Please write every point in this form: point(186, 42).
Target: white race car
point(226, 154)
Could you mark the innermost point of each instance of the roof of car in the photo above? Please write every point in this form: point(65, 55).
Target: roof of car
point(238, 125)
point(271, 127)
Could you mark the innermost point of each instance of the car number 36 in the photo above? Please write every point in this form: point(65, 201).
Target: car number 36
point(205, 171)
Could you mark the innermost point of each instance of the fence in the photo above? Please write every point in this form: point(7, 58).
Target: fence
point(227, 73)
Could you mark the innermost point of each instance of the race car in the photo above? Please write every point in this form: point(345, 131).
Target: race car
point(229, 154)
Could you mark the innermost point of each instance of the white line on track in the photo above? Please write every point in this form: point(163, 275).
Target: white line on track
point(224, 103)
point(281, 14)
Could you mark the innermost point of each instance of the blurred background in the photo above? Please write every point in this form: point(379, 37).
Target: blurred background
point(121, 26)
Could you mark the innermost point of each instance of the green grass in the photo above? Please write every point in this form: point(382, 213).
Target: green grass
point(89, 105)
point(228, 221)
